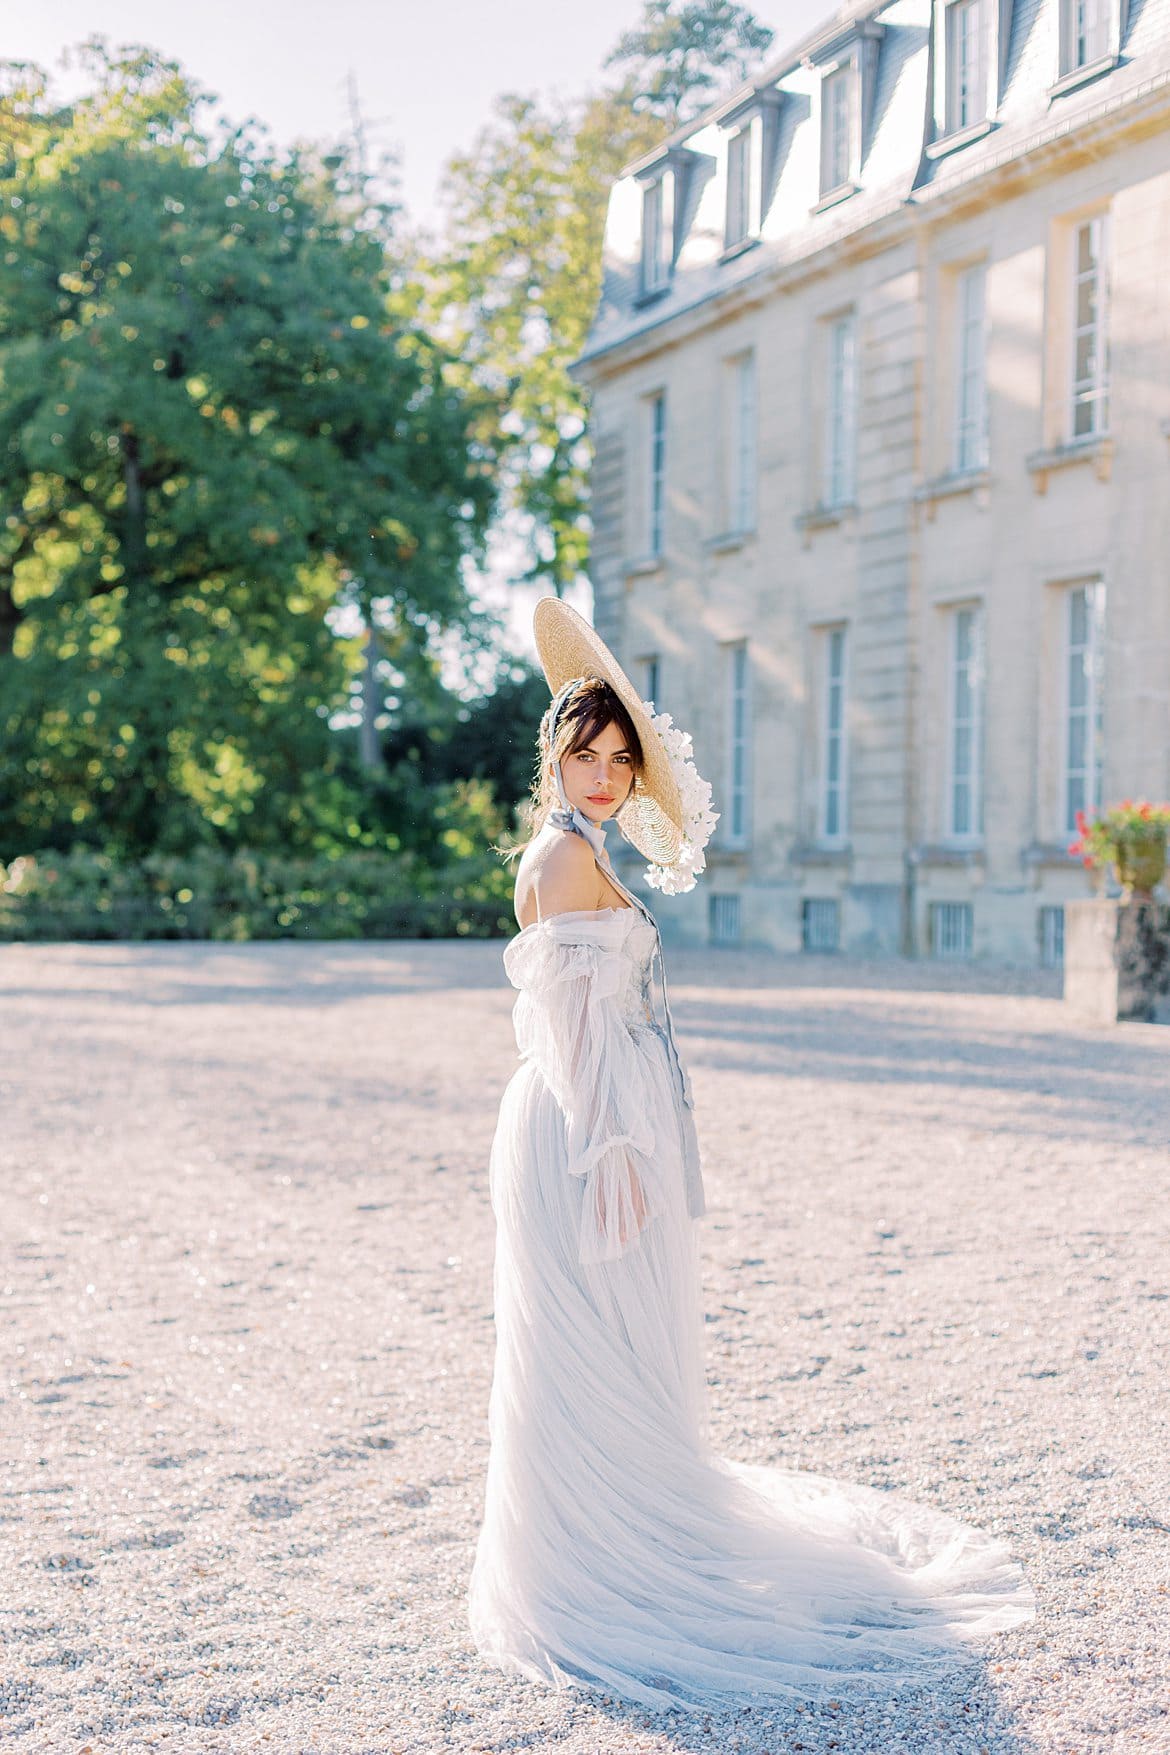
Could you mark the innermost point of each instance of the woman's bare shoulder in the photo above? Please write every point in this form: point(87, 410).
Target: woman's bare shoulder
point(559, 871)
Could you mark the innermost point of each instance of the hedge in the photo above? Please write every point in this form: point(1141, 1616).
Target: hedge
point(84, 894)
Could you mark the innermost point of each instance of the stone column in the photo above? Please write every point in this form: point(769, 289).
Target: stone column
point(1117, 960)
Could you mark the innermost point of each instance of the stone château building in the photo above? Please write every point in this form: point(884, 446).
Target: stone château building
point(881, 397)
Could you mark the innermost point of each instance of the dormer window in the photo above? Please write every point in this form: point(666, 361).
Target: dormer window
point(655, 261)
point(739, 188)
point(1085, 33)
point(667, 182)
point(969, 47)
point(847, 63)
point(1090, 41)
point(837, 129)
point(751, 130)
point(966, 53)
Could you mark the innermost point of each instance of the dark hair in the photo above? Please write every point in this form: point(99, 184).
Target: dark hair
point(592, 706)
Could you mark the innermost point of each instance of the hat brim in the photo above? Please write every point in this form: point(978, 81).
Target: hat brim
point(652, 817)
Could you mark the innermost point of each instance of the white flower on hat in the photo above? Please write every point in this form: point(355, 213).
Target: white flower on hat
point(698, 817)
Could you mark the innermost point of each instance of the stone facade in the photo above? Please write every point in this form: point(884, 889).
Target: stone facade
point(926, 308)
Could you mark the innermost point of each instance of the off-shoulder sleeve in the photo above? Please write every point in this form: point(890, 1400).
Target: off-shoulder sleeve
point(569, 1022)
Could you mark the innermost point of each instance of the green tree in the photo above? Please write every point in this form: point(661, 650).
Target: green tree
point(438, 739)
point(516, 282)
point(217, 427)
point(515, 290)
point(683, 53)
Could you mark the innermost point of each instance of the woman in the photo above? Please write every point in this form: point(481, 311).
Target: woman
point(618, 1551)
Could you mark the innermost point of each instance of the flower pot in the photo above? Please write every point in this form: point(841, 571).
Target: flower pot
point(1140, 865)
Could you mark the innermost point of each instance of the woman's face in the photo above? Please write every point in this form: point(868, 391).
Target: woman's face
point(598, 777)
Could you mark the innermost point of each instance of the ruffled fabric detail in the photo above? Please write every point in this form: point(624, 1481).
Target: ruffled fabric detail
point(572, 1019)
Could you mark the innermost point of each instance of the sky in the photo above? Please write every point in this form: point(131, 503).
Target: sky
point(426, 72)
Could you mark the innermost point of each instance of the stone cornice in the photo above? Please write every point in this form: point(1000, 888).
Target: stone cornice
point(890, 226)
point(1057, 141)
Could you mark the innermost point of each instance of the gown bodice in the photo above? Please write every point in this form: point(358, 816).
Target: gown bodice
point(625, 970)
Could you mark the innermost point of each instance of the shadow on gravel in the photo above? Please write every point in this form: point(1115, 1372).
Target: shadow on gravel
point(330, 972)
point(283, 972)
point(769, 971)
point(963, 1717)
point(1112, 1084)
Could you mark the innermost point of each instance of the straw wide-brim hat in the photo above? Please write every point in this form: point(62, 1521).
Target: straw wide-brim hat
point(652, 817)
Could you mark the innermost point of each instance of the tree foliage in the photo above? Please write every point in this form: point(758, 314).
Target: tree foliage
point(516, 290)
point(680, 56)
point(217, 426)
point(440, 740)
point(516, 282)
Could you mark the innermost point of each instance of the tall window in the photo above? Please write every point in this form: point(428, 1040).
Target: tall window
point(655, 263)
point(1084, 700)
point(1084, 33)
point(741, 450)
point(739, 187)
point(737, 744)
point(840, 412)
point(833, 777)
point(966, 64)
point(971, 386)
point(1090, 365)
point(836, 129)
point(650, 678)
point(965, 739)
point(656, 483)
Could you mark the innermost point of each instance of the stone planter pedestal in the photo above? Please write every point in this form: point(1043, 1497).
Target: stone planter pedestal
point(1117, 960)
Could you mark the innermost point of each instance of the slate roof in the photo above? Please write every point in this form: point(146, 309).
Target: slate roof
point(895, 168)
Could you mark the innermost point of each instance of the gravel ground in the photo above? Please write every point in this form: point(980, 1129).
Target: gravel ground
point(245, 1294)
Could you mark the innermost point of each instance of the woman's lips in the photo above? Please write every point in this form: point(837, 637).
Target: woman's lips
point(597, 798)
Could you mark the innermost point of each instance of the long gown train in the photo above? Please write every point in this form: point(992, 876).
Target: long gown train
point(618, 1551)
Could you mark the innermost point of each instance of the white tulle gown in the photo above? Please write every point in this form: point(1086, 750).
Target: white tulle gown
point(618, 1551)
